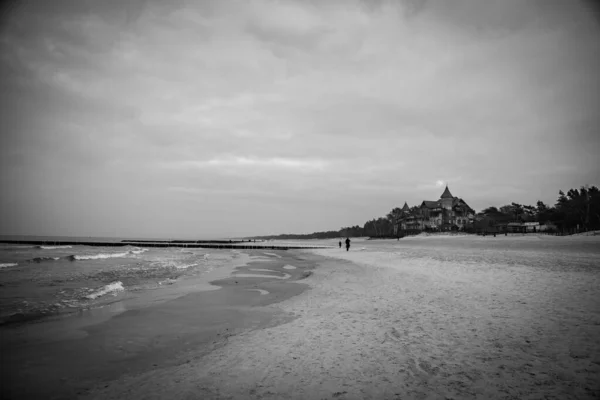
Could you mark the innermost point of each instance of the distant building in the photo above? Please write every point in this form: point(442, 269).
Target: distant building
point(531, 226)
point(548, 227)
point(447, 213)
point(516, 227)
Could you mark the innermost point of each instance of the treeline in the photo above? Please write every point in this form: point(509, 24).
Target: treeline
point(368, 229)
point(314, 235)
point(578, 210)
point(351, 231)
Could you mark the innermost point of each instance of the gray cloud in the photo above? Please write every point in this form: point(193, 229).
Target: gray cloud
point(224, 118)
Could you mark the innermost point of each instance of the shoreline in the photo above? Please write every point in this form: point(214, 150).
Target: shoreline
point(67, 357)
point(189, 284)
point(420, 319)
point(382, 324)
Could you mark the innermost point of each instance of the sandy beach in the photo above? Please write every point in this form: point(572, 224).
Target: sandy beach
point(420, 318)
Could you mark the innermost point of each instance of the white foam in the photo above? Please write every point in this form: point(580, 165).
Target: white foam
point(55, 247)
point(138, 251)
point(101, 256)
point(289, 267)
point(110, 288)
point(185, 266)
point(6, 265)
point(261, 291)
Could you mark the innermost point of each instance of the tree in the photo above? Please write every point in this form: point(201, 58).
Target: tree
point(529, 213)
point(508, 209)
point(544, 213)
point(541, 207)
point(395, 213)
point(518, 211)
point(594, 207)
point(490, 210)
point(578, 209)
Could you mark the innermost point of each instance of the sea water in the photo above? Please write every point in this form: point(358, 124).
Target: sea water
point(42, 281)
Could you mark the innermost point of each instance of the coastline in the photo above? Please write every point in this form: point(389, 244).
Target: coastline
point(383, 325)
point(463, 318)
point(68, 356)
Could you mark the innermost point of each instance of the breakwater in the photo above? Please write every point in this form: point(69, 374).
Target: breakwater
point(185, 244)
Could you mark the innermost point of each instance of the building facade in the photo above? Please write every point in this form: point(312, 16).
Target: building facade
point(447, 213)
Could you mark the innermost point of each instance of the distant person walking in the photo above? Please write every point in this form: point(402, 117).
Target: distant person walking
point(340, 244)
point(347, 244)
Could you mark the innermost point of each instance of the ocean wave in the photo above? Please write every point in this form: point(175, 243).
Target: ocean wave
point(110, 288)
point(100, 256)
point(173, 264)
point(6, 265)
point(185, 266)
point(54, 247)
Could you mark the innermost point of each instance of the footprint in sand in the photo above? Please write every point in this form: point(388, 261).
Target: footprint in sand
point(261, 291)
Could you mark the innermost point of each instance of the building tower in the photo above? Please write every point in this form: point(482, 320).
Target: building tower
point(446, 199)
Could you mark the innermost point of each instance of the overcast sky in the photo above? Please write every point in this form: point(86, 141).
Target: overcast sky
point(230, 118)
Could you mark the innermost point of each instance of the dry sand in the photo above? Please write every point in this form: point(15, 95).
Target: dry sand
point(517, 318)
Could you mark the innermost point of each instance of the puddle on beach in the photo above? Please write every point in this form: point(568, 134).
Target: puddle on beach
point(286, 276)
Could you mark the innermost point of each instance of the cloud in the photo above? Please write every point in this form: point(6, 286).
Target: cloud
point(358, 104)
point(249, 162)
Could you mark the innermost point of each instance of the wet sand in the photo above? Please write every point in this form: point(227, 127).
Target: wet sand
point(66, 358)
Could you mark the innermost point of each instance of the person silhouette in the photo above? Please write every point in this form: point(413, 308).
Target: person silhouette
point(347, 244)
point(340, 244)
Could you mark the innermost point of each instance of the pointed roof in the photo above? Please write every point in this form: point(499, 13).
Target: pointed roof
point(446, 194)
point(430, 204)
point(405, 207)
